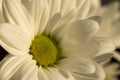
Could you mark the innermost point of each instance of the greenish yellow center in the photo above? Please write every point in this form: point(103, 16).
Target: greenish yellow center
point(45, 51)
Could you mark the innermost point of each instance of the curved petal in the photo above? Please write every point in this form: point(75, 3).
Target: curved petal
point(66, 19)
point(10, 64)
point(54, 6)
point(42, 75)
point(82, 30)
point(77, 65)
point(67, 6)
point(77, 39)
point(97, 75)
point(83, 10)
point(40, 14)
point(27, 4)
point(1, 13)
point(60, 21)
point(13, 40)
point(54, 74)
point(15, 13)
point(51, 23)
point(66, 74)
point(116, 38)
point(107, 45)
point(106, 49)
point(28, 71)
point(103, 57)
point(79, 3)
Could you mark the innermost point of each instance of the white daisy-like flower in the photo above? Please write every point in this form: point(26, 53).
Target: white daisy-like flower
point(47, 40)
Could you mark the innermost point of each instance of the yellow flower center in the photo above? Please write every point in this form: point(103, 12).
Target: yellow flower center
point(45, 51)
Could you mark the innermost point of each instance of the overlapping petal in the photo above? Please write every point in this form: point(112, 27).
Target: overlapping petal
point(40, 14)
point(14, 39)
point(28, 71)
point(106, 50)
point(77, 39)
point(75, 65)
point(53, 74)
point(97, 75)
point(1, 13)
point(15, 13)
point(10, 64)
point(83, 10)
point(83, 69)
point(54, 6)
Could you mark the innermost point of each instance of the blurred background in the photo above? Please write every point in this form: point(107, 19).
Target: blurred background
point(113, 60)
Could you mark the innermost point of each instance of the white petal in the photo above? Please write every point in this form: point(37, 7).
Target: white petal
point(57, 21)
point(54, 74)
point(13, 40)
point(67, 6)
point(54, 6)
point(66, 74)
point(51, 23)
point(83, 10)
point(27, 4)
point(10, 64)
point(80, 3)
point(1, 13)
point(28, 71)
point(63, 20)
point(90, 49)
point(116, 40)
point(96, 18)
point(97, 75)
point(42, 75)
point(40, 14)
point(107, 45)
point(103, 57)
point(77, 39)
point(70, 77)
point(81, 30)
point(106, 49)
point(77, 65)
point(15, 13)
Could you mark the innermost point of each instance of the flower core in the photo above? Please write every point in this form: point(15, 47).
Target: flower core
point(44, 51)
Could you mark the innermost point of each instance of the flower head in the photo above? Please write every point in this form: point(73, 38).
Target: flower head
point(49, 40)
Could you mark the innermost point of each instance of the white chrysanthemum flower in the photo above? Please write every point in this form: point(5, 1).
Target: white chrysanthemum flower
point(112, 69)
point(49, 41)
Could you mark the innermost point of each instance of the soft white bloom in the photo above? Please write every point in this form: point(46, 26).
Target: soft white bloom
point(50, 40)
